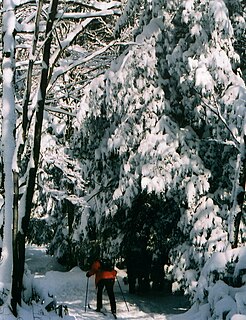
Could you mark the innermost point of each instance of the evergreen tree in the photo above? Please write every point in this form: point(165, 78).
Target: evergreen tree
point(168, 118)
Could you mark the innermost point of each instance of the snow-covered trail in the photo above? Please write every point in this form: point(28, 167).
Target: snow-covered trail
point(140, 307)
point(70, 289)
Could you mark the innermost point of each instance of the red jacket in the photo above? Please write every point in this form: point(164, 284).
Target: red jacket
point(99, 274)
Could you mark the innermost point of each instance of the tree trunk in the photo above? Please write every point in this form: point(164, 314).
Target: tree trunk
point(19, 237)
point(16, 281)
point(7, 141)
point(240, 197)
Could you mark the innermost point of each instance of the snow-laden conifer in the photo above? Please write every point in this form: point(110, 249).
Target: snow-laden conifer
point(169, 118)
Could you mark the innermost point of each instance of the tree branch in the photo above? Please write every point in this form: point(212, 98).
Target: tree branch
point(66, 43)
point(222, 119)
point(96, 5)
point(96, 14)
point(62, 70)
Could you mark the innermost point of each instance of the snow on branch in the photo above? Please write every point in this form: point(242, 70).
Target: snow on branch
point(62, 70)
point(26, 27)
point(23, 2)
point(217, 112)
point(98, 5)
point(67, 42)
point(81, 15)
point(59, 110)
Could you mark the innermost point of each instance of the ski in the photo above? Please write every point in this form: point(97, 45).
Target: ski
point(102, 312)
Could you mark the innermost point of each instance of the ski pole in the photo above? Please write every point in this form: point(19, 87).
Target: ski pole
point(122, 294)
point(86, 294)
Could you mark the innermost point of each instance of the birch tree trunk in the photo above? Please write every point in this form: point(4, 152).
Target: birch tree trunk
point(8, 143)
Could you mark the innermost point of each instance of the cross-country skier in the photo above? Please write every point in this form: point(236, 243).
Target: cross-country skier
point(104, 277)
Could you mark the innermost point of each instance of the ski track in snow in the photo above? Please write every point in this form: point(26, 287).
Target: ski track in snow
point(69, 288)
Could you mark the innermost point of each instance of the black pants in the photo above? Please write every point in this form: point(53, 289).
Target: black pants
point(109, 285)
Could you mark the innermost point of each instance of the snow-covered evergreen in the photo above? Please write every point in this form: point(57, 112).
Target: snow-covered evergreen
point(168, 118)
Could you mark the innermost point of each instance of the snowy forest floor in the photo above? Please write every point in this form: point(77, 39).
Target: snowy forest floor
point(69, 289)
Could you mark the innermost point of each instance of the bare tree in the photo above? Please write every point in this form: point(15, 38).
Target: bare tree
point(37, 42)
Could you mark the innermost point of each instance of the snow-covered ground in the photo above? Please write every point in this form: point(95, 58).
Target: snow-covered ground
point(69, 288)
point(48, 278)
